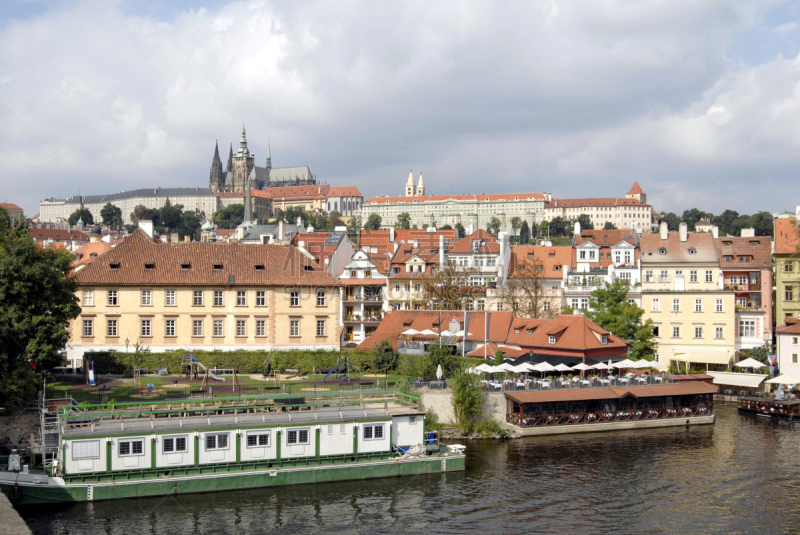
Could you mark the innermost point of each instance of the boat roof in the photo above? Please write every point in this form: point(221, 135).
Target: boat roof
point(773, 400)
point(92, 425)
point(615, 392)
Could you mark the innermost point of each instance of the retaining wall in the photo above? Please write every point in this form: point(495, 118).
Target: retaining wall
point(441, 403)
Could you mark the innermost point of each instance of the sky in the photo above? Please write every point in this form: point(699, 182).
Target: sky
point(697, 101)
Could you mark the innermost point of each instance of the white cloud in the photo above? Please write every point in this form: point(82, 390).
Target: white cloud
point(592, 95)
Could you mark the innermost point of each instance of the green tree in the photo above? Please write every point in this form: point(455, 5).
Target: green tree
point(112, 216)
point(516, 224)
point(229, 217)
point(672, 220)
point(84, 215)
point(373, 222)
point(442, 355)
point(586, 222)
point(445, 227)
point(142, 213)
point(171, 215)
point(493, 227)
point(354, 225)
point(609, 309)
point(334, 220)
point(461, 232)
point(403, 221)
point(468, 400)
point(609, 226)
point(385, 357)
point(524, 233)
point(725, 220)
point(190, 225)
point(559, 226)
point(38, 303)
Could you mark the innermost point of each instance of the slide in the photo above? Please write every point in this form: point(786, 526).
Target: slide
point(201, 366)
point(330, 372)
point(92, 381)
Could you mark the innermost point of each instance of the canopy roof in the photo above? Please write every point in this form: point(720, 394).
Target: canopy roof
point(750, 363)
point(785, 379)
point(747, 380)
point(700, 357)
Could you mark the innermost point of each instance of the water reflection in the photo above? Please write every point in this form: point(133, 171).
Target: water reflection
point(738, 476)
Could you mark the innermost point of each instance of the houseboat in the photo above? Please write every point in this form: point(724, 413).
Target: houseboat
point(213, 445)
point(580, 410)
point(781, 409)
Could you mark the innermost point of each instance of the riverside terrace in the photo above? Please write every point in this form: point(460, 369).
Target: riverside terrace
point(615, 407)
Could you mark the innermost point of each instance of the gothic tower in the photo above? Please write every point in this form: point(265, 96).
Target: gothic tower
point(216, 180)
point(420, 187)
point(229, 168)
point(410, 185)
point(243, 163)
point(269, 165)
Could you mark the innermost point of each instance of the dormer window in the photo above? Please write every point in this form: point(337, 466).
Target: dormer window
point(217, 267)
point(528, 331)
point(149, 266)
point(662, 250)
point(692, 250)
point(604, 340)
point(185, 266)
point(551, 339)
point(516, 331)
point(92, 255)
point(114, 266)
point(552, 255)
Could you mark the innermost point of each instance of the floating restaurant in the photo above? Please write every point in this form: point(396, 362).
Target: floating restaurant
point(780, 409)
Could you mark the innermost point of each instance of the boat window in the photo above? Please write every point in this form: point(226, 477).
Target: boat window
point(412, 420)
point(257, 438)
point(133, 446)
point(216, 441)
point(373, 432)
point(297, 436)
point(174, 444)
point(85, 449)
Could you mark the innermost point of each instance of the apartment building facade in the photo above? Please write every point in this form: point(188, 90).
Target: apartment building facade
point(786, 262)
point(203, 296)
point(363, 300)
point(683, 294)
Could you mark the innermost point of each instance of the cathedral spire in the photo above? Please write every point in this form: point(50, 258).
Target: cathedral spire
point(216, 179)
point(230, 160)
point(243, 152)
point(248, 203)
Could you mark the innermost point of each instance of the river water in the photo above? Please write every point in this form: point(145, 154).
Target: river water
point(737, 476)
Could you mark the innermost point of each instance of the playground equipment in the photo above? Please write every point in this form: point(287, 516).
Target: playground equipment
point(89, 372)
point(343, 366)
point(193, 368)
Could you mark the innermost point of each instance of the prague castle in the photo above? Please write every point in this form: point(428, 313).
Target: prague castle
point(242, 166)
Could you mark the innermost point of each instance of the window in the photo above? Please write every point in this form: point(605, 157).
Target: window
point(788, 266)
point(174, 444)
point(546, 306)
point(146, 298)
point(591, 255)
point(412, 420)
point(241, 298)
point(320, 298)
point(169, 328)
point(112, 298)
point(709, 276)
point(743, 279)
point(747, 328)
point(396, 287)
point(197, 298)
point(656, 331)
point(145, 328)
point(698, 305)
point(132, 446)
point(261, 299)
point(626, 276)
point(794, 358)
point(261, 328)
point(294, 328)
point(88, 298)
point(218, 298)
point(417, 287)
point(718, 306)
point(719, 332)
point(216, 441)
point(407, 287)
point(583, 255)
point(664, 277)
point(112, 328)
point(584, 303)
point(698, 332)
point(169, 298)
point(257, 439)
point(217, 328)
point(788, 293)
point(741, 301)
point(551, 339)
point(373, 432)
point(367, 273)
point(693, 275)
point(297, 436)
point(85, 449)
point(294, 299)
point(676, 332)
point(241, 327)
point(676, 305)
point(197, 328)
point(88, 328)
point(353, 273)
point(627, 257)
point(320, 327)
point(656, 306)
point(648, 276)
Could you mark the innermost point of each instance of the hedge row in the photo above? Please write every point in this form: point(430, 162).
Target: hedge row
point(256, 361)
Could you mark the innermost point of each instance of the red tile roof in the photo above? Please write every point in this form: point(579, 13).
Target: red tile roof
point(10, 206)
point(572, 332)
point(787, 240)
point(552, 259)
point(758, 247)
point(606, 237)
point(140, 260)
point(481, 197)
point(636, 189)
point(42, 234)
point(492, 348)
point(602, 201)
point(792, 326)
point(488, 244)
point(343, 191)
point(88, 252)
point(676, 250)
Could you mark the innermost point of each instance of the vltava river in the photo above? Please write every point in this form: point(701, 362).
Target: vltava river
point(738, 476)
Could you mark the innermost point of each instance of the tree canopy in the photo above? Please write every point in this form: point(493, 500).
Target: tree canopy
point(403, 221)
point(609, 226)
point(609, 309)
point(524, 233)
point(730, 222)
point(516, 223)
point(493, 227)
point(39, 301)
point(586, 222)
point(373, 222)
point(112, 216)
point(462, 233)
point(229, 217)
point(84, 215)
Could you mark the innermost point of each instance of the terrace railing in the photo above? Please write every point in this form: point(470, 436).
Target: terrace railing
point(545, 420)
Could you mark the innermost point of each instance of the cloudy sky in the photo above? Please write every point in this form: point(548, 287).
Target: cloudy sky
point(698, 101)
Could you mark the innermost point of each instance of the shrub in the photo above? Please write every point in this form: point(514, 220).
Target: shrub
point(468, 400)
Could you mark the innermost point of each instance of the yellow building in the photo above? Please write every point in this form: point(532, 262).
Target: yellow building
point(682, 292)
point(209, 296)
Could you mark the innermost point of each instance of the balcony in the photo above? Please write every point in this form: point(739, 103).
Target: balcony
point(743, 287)
point(414, 347)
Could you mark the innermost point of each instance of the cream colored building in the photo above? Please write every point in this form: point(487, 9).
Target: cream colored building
point(631, 212)
point(204, 296)
point(682, 292)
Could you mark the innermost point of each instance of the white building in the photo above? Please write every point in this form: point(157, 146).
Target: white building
point(630, 212)
point(788, 347)
point(362, 299)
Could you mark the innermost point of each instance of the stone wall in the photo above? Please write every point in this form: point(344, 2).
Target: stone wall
point(441, 403)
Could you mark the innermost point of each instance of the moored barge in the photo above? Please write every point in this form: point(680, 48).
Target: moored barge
point(200, 446)
point(780, 409)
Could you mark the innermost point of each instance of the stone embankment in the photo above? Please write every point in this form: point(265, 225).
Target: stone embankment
point(440, 402)
point(17, 431)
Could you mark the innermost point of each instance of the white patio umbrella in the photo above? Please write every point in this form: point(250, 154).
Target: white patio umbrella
point(427, 332)
point(446, 333)
point(520, 368)
point(750, 363)
point(506, 367)
point(785, 380)
point(600, 366)
point(410, 331)
point(439, 373)
point(461, 333)
point(563, 368)
point(624, 364)
point(582, 367)
point(485, 368)
point(642, 364)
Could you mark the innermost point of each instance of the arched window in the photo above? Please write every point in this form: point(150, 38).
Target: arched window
point(336, 206)
point(329, 206)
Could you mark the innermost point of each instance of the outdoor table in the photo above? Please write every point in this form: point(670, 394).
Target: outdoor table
point(585, 382)
point(603, 381)
point(658, 378)
point(642, 379)
point(612, 376)
point(576, 379)
point(624, 380)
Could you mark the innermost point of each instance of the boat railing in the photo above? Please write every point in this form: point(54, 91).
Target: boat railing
point(544, 420)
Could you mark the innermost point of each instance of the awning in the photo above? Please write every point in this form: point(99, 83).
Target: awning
point(700, 357)
point(747, 380)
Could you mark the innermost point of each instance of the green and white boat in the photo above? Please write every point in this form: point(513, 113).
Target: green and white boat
point(209, 445)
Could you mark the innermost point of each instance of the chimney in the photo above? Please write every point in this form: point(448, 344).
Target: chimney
point(240, 233)
point(442, 260)
point(663, 230)
point(748, 232)
point(470, 229)
point(299, 222)
point(416, 243)
point(391, 234)
point(187, 239)
point(281, 230)
point(146, 226)
point(715, 231)
point(396, 246)
point(301, 243)
point(683, 230)
point(577, 227)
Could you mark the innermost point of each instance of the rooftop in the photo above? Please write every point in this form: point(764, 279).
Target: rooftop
point(698, 248)
point(744, 252)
